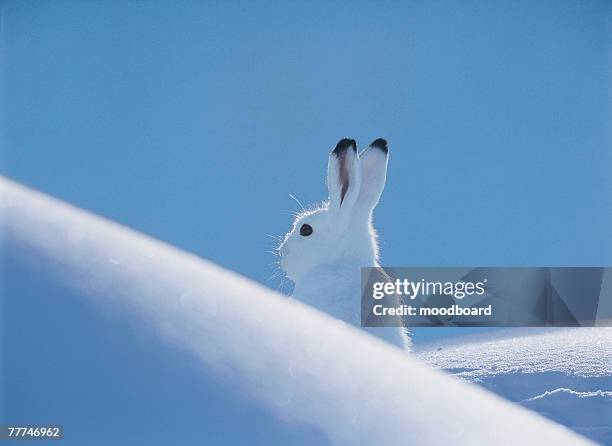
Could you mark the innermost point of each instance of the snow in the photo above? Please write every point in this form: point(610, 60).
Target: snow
point(295, 362)
point(580, 351)
point(562, 373)
point(597, 394)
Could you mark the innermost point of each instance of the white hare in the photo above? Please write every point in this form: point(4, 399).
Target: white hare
point(328, 245)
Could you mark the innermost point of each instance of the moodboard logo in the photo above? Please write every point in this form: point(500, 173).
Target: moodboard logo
point(481, 297)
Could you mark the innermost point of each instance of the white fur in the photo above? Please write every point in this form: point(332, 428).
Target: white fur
point(326, 265)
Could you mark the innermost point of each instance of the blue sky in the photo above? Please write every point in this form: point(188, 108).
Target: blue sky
point(192, 122)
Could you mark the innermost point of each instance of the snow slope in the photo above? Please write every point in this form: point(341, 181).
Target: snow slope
point(293, 361)
point(562, 373)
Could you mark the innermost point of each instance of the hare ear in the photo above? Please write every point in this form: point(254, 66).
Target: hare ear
point(373, 161)
point(343, 175)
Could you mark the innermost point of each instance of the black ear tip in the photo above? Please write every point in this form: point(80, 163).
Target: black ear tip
point(381, 144)
point(345, 144)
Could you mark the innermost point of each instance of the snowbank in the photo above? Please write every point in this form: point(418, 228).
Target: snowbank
point(298, 363)
point(578, 351)
point(562, 373)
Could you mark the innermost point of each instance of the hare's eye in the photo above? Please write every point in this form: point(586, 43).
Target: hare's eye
point(306, 230)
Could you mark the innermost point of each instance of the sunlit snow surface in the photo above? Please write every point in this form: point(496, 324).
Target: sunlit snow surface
point(565, 374)
point(297, 365)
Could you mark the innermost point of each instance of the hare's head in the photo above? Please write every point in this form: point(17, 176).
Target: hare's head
point(340, 229)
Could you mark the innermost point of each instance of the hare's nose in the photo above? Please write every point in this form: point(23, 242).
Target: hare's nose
point(284, 250)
